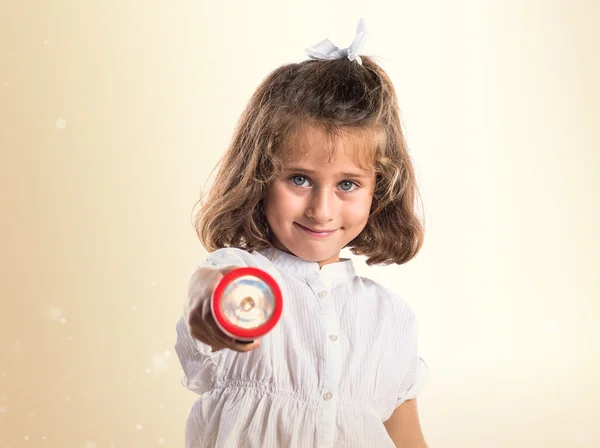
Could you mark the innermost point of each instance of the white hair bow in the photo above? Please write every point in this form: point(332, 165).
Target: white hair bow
point(327, 50)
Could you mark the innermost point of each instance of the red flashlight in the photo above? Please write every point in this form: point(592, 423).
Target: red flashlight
point(246, 304)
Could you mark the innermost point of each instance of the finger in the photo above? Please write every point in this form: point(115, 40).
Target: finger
point(243, 348)
point(196, 325)
point(200, 330)
point(216, 334)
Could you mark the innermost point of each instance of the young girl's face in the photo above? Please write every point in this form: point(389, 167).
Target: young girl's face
point(317, 206)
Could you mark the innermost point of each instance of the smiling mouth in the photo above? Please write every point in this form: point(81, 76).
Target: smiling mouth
point(315, 232)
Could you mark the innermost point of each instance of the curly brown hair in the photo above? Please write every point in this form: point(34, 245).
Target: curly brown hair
point(341, 96)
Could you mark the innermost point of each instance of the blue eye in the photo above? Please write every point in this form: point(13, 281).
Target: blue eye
point(347, 183)
point(301, 181)
point(296, 178)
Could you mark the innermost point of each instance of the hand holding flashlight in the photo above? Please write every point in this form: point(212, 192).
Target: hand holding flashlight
point(232, 307)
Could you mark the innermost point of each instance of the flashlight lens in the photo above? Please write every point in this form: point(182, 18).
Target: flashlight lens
point(247, 302)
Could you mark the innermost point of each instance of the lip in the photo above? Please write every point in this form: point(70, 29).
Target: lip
point(314, 232)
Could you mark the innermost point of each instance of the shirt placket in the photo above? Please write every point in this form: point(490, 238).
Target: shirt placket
point(333, 363)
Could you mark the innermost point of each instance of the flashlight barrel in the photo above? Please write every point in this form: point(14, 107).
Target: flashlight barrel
point(246, 304)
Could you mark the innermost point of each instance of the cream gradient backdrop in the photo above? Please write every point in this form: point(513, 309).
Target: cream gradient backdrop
point(113, 113)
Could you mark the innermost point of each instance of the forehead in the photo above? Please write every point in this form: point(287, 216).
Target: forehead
point(347, 149)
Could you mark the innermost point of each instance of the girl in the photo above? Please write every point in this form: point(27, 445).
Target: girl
point(318, 163)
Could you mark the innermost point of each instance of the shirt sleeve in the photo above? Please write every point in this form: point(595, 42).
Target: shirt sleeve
point(198, 361)
point(417, 376)
point(225, 257)
point(199, 364)
point(421, 379)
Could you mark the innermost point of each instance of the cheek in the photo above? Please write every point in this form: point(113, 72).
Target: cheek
point(279, 201)
point(359, 209)
point(270, 205)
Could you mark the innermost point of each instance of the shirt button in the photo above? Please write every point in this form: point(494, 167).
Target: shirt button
point(333, 337)
point(322, 294)
point(327, 396)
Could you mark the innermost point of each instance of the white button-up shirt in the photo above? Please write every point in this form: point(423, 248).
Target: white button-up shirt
point(341, 359)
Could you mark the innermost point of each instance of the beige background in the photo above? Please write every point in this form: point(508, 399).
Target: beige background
point(113, 113)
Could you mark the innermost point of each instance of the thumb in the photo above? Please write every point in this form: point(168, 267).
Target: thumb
point(223, 272)
point(228, 269)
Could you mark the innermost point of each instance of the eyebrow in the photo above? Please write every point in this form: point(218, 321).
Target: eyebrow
point(342, 174)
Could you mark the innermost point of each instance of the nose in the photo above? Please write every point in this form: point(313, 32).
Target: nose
point(322, 205)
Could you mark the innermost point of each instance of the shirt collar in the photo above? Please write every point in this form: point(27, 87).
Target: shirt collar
point(284, 261)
